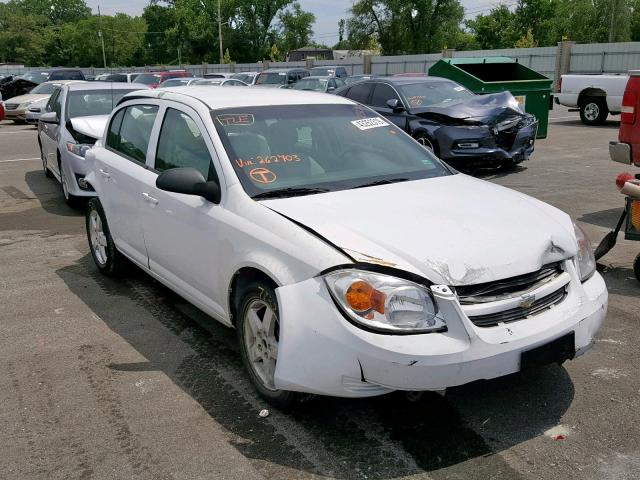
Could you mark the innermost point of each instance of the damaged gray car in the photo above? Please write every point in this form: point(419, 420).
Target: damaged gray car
point(463, 129)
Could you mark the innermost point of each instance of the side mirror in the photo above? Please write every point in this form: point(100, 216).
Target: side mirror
point(188, 181)
point(49, 117)
point(395, 105)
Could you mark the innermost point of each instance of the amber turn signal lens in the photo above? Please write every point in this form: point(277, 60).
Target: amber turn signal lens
point(635, 214)
point(362, 297)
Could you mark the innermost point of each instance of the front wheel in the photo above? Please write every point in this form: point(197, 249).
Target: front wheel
point(594, 111)
point(258, 330)
point(103, 250)
point(71, 200)
point(427, 142)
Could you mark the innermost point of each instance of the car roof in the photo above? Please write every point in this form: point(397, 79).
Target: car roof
point(408, 80)
point(64, 82)
point(276, 70)
point(233, 97)
point(104, 86)
point(314, 77)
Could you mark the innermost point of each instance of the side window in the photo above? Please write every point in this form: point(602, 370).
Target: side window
point(381, 94)
point(181, 145)
point(52, 99)
point(339, 82)
point(360, 92)
point(113, 134)
point(56, 103)
point(132, 137)
point(341, 72)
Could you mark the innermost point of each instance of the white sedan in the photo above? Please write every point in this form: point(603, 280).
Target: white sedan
point(351, 261)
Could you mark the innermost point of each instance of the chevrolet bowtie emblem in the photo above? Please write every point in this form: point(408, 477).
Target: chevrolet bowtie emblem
point(526, 301)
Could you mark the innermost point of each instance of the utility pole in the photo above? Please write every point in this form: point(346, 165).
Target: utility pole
point(104, 55)
point(220, 33)
point(615, 6)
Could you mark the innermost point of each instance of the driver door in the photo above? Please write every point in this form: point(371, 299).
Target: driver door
point(383, 93)
point(182, 232)
point(49, 132)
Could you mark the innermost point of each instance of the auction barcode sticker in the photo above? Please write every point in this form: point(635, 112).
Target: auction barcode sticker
point(367, 123)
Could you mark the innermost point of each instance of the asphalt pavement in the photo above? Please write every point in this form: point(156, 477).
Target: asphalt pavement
point(115, 379)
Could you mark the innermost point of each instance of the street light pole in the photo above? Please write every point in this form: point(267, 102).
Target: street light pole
point(104, 55)
point(220, 33)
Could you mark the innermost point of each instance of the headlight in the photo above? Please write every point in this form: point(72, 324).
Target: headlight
point(585, 261)
point(23, 106)
point(79, 149)
point(385, 303)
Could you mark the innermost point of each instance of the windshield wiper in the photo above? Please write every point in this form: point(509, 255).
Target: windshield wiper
point(289, 192)
point(386, 181)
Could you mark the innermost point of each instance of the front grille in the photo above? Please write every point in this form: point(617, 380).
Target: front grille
point(518, 313)
point(508, 287)
point(11, 106)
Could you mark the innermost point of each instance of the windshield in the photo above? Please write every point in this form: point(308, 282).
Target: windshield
point(317, 84)
point(44, 89)
point(272, 78)
point(175, 82)
point(82, 103)
point(324, 147)
point(244, 77)
point(148, 79)
point(36, 77)
point(426, 94)
point(323, 72)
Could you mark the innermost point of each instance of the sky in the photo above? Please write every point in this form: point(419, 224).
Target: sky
point(327, 12)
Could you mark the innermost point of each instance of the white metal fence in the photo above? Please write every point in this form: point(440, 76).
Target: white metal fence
point(584, 58)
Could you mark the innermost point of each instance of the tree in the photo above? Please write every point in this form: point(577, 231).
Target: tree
point(494, 30)
point(295, 28)
point(413, 26)
point(227, 57)
point(526, 41)
point(274, 54)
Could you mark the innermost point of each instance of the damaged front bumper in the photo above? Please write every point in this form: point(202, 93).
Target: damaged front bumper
point(322, 353)
point(485, 145)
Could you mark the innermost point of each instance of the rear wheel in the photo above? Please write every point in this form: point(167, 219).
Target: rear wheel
point(593, 110)
point(103, 250)
point(258, 331)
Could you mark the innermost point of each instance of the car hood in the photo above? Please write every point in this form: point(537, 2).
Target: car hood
point(479, 109)
point(29, 97)
point(92, 126)
point(453, 230)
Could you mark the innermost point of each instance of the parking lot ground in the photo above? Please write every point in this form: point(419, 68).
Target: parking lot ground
point(110, 379)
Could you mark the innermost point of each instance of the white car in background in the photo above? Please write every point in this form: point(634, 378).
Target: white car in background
point(36, 109)
point(596, 96)
point(75, 117)
point(351, 261)
point(247, 77)
point(219, 82)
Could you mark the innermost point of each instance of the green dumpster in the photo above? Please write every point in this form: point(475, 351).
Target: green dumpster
point(496, 74)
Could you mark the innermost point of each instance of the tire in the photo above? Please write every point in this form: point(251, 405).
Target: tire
point(427, 142)
point(47, 173)
point(71, 200)
point(259, 341)
point(636, 267)
point(593, 110)
point(105, 255)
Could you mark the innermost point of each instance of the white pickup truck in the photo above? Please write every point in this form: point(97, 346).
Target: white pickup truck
point(595, 95)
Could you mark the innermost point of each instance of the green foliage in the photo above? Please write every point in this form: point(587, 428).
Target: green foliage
point(526, 41)
point(274, 54)
point(227, 57)
point(295, 28)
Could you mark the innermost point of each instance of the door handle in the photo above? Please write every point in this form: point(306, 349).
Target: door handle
point(149, 199)
point(104, 173)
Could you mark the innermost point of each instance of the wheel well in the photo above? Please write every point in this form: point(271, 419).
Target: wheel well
point(240, 280)
point(590, 92)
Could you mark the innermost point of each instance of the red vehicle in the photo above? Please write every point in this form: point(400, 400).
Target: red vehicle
point(627, 150)
point(1, 110)
point(153, 79)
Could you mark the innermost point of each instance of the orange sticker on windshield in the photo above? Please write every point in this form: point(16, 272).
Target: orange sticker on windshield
point(235, 119)
point(262, 175)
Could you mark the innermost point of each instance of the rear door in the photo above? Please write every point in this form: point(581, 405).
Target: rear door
point(182, 232)
point(122, 173)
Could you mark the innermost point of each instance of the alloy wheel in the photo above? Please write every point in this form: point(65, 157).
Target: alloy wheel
point(98, 238)
point(261, 332)
point(591, 111)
